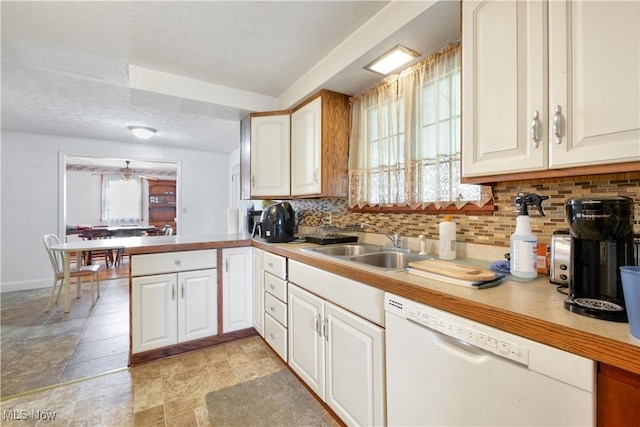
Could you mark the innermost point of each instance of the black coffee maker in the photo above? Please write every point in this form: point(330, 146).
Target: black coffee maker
point(601, 241)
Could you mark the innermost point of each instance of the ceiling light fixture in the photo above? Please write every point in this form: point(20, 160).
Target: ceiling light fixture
point(392, 60)
point(142, 132)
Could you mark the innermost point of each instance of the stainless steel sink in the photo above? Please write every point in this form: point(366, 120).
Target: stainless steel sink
point(346, 249)
point(371, 255)
point(389, 260)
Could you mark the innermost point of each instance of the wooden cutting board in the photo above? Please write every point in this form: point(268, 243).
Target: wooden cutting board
point(452, 269)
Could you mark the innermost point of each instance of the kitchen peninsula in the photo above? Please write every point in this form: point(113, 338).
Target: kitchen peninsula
point(532, 310)
point(181, 298)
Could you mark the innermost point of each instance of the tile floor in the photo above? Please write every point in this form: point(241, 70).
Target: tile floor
point(53, 365)
point(43, 348)
point(169, 392)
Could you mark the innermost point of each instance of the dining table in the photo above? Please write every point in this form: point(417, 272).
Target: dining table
point(78, 247)
point(109, 232)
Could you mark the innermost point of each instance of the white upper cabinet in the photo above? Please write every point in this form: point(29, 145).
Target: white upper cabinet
point(549, 85)
point(300, 153)
point(306, 146)
point(270, 156)
point(503, 86)
point(594, 79)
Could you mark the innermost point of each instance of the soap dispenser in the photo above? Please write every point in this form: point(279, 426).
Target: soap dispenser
point(447, 238)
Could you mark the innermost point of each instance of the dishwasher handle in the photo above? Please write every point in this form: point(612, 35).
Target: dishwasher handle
point(455, 346)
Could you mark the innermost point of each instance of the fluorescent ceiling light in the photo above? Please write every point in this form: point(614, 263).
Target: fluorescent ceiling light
point(392, 60)
point(142, 132)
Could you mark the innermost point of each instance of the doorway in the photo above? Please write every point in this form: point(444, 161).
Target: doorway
point(84, 193)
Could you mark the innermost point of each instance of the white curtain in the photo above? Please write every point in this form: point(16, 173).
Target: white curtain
point(405, 139)
point(121, 200)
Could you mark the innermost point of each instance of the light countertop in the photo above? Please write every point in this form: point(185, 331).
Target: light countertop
point(534, 309)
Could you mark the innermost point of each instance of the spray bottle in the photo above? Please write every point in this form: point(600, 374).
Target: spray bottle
point(523, 241)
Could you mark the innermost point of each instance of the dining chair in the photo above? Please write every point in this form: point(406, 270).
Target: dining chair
point(55, 257)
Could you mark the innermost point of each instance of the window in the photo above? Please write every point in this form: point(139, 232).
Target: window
point(405, 140)
point(121, 200)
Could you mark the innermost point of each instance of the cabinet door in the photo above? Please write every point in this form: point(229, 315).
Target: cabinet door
point(504, 85)
point(306, 345)
point(355, 386)
point(306, 149)
point(154, 312)
point(258, 291)
point(197, 304)
point(270, 156)
point(237, 290)
point(594, 65)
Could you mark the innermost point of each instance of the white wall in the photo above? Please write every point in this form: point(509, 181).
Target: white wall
point(242, 205)
point(31, 199)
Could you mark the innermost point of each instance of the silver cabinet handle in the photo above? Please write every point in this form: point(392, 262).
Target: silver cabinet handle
point(326, 329)
point(535, 130)
point(319, 325)
point(272, 308)
point(272, 336)
point(557, 125)
point(226, 265)
point(173, 292)
point(182, 290)
point(177, 262)
point(270, 264)
point(253, 181)
point(315, 176)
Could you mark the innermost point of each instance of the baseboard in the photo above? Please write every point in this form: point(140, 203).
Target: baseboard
point(24, 285)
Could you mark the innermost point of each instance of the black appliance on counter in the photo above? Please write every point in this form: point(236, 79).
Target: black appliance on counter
point(277, 223)
point(601, 241)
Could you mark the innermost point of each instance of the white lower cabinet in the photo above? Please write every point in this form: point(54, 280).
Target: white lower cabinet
point(237, 289)
point(172, 308)
point(258, 291)
point(339, 355)
point(274, 297)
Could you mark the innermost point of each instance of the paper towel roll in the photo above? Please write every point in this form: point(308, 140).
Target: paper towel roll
point(233, 221)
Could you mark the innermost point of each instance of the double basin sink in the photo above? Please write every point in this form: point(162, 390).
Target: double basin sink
point(384, 258)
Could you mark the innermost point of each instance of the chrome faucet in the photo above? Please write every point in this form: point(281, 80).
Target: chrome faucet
point(395, 238)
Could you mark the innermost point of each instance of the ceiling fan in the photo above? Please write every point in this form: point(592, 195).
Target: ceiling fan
point(128, 173)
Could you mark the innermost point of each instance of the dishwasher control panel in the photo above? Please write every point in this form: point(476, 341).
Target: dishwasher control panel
point(483, 337)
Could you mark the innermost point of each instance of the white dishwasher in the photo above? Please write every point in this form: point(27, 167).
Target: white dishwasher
point(447, 370)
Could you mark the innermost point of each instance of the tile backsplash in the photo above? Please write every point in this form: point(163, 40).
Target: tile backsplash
point(486, 229)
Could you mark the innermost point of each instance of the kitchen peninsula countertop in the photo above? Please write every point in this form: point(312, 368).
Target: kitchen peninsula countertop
point(159, 244)
point(533, 310)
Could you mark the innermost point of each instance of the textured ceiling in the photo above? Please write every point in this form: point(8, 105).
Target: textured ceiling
point(64, 64)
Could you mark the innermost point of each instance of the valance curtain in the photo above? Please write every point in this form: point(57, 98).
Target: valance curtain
point(121, 200)
point(405, 139)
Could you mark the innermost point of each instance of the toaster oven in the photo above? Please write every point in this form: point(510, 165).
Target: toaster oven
point(560, 262)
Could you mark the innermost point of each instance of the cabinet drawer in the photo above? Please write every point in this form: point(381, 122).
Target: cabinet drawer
point(276, 287)
point(275, 308)
point(276, 336)
point(275, 264)
point(170, 262)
